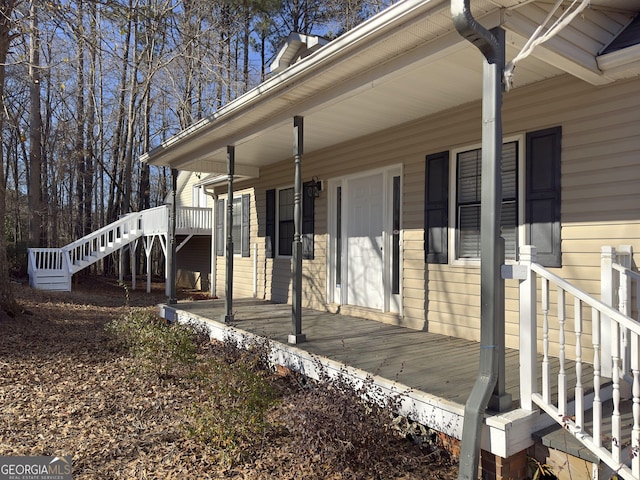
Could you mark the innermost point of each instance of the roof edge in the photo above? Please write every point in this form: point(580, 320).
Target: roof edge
point(367, 33)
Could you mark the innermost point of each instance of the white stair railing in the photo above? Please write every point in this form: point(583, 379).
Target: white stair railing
point(97, 245)
point(559, 323)
point(52, 268)
point(48, 268)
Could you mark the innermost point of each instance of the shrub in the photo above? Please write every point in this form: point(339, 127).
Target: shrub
point(232, 417)
point(162, 348)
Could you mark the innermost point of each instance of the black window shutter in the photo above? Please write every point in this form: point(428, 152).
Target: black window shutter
point(436, 209)
point(246, 216)
point(542, 212)
point(308, 210)
point(220, 228)
point(270, 231)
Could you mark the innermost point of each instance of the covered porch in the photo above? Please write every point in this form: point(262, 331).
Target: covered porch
point(434, 373)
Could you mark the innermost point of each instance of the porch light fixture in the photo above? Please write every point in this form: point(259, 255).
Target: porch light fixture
point(315, 187)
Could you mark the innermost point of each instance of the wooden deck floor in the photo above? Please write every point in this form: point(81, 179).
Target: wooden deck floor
point(439, 365)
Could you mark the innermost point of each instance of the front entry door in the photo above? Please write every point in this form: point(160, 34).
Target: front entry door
point(364, 255)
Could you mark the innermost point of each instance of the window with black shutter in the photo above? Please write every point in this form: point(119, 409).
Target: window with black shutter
point(468, 193)
point(240, 228)
point(542, 200)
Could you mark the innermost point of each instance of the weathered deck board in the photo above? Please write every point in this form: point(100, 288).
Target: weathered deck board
point(436, 364)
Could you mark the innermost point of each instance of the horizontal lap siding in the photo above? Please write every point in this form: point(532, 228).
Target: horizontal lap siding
point(600, 199)
point(184, 196)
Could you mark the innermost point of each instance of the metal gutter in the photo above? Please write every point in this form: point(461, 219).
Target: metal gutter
point(492, 46)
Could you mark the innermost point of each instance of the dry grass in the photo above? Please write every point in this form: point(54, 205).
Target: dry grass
point(65, 391)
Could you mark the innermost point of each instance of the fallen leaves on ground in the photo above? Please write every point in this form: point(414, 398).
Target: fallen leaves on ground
point(63, 391)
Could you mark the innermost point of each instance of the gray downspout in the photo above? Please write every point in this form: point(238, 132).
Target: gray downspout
point(491, 374)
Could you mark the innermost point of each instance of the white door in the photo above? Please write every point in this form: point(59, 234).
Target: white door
point(364, 255)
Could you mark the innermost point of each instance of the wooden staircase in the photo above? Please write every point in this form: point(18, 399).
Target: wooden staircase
point(53, 268)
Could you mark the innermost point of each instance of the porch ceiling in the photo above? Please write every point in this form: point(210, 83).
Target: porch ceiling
point(403, 64)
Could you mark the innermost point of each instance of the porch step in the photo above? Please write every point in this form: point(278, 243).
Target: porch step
point(558, 438)
point(569, 457)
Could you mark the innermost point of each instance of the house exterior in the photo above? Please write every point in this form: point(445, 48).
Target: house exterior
point(390, 167)
point(393, 139)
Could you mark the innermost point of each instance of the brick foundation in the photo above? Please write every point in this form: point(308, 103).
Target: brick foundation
point(493, 467)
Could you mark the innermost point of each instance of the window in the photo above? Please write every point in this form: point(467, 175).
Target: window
point(239, 229)
point(236, 229)
point(469, 179)
point(286, 227)
point(198, 197)
point(531, 197)
point(279, 222)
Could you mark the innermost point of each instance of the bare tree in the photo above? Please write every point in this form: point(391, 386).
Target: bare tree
point(35, 133)
point(7, 300)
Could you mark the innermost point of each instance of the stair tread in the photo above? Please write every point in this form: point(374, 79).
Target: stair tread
point(558, 438)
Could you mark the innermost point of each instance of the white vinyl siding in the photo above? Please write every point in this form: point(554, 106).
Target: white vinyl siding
point(600, 198)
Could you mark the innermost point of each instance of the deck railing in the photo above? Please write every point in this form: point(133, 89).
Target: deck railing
point(155, 220)
point(195, 219)
point(62, 262)
point(550, 303)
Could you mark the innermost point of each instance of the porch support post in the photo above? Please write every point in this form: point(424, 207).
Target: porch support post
point(231, 159)
point(132, 260)
point(491, 242)
point(608, 287)
point(528, 329)
point(296, 335)
point(148, 245)
point(171, 254)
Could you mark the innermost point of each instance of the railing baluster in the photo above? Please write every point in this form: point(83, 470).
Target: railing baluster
point(562, 374)
point(597, 403)
point(579, 393)
point(616, 448)
point(546, 368)
point(623, 307)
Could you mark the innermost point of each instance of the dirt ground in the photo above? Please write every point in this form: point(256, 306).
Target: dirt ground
point(63, 391)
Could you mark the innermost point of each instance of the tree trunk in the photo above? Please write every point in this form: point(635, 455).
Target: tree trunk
point(7, 300)
point(35, 135)
point(79, 148)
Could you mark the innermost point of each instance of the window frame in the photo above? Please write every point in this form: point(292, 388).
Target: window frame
point(199, 197)
point(454, 234)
